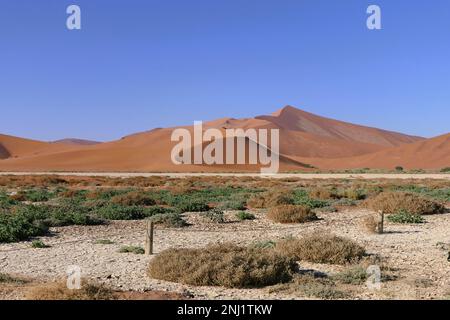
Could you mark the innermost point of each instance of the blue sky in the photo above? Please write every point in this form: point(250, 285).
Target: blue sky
point(140, 64)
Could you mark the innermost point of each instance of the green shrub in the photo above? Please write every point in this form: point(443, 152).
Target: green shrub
point(104, 241)
point(169, 220)
point(193, 206)
point(120, 212)
point(38, 244)
point(6, 202)
point(405, 217)
point(244, 215)
point(20, 226)
point(399, 169)
point(131, 249)
point(301, 198)
point(222, 265)
point(355, 275)
point(37, 195)
point(445, 170)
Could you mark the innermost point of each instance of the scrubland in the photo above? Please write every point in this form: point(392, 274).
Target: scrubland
point(224, 237)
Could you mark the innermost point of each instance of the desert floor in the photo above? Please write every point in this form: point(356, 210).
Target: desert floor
point(305, 176)
point(417, 254)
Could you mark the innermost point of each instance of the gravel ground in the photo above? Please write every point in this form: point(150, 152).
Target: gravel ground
point(418, 253)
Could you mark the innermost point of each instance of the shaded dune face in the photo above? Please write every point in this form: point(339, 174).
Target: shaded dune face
point(4, 153)
point(305, 140)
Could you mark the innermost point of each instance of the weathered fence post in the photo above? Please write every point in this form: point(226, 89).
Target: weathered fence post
point(149, 238)
point(380, 222)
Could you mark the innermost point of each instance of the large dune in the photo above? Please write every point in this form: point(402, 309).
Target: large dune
point(432, 153)
point(305, 139)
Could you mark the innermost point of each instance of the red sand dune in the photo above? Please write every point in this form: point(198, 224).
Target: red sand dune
point(304, 139)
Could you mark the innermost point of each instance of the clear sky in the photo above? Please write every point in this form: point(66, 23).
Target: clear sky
point(141, 64)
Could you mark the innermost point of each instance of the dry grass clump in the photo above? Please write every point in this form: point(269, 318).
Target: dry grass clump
point(393, 202)
point(270, 199)
point(59, 291)
point(323, 193)
point(308, 285)
point(291, 214)
point(134, 198)
point(322, 248)
point(222, 265)
point(370, 223)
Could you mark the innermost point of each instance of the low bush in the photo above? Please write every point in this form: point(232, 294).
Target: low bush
point(192, 206)
point(244, 215)
point(39, 244)
point(34, 195)
point(121, 212)
point(169, 220)
point(405, 217)
point(222, 265)
point(232, 205)
point(322, 248)
point(301, 197)
point(214, 215)
point(311, 286)
point(270, 199)
point(132, 249)
point(20, 226)
point(355, 275)
point(445, 170)
point(394, 202)
point(291, 214)
point(59, 291)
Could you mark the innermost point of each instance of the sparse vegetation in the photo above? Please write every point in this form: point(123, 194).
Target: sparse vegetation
point(322, 248)
point(169, 220)
point(309, 285)
point(244, 215)
point(104, 241)
point(355, 275)
point(222, 265)
point(445, 170)
point(6, 278)
point(39, 244)
point(405, 217)
point(291, 214)
point(132, 249)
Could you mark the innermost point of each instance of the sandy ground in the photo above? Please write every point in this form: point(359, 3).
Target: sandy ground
point(418, 253)
point(366, 176)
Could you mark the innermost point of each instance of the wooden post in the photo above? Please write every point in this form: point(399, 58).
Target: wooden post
point(149, 238)
point(380, 222)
